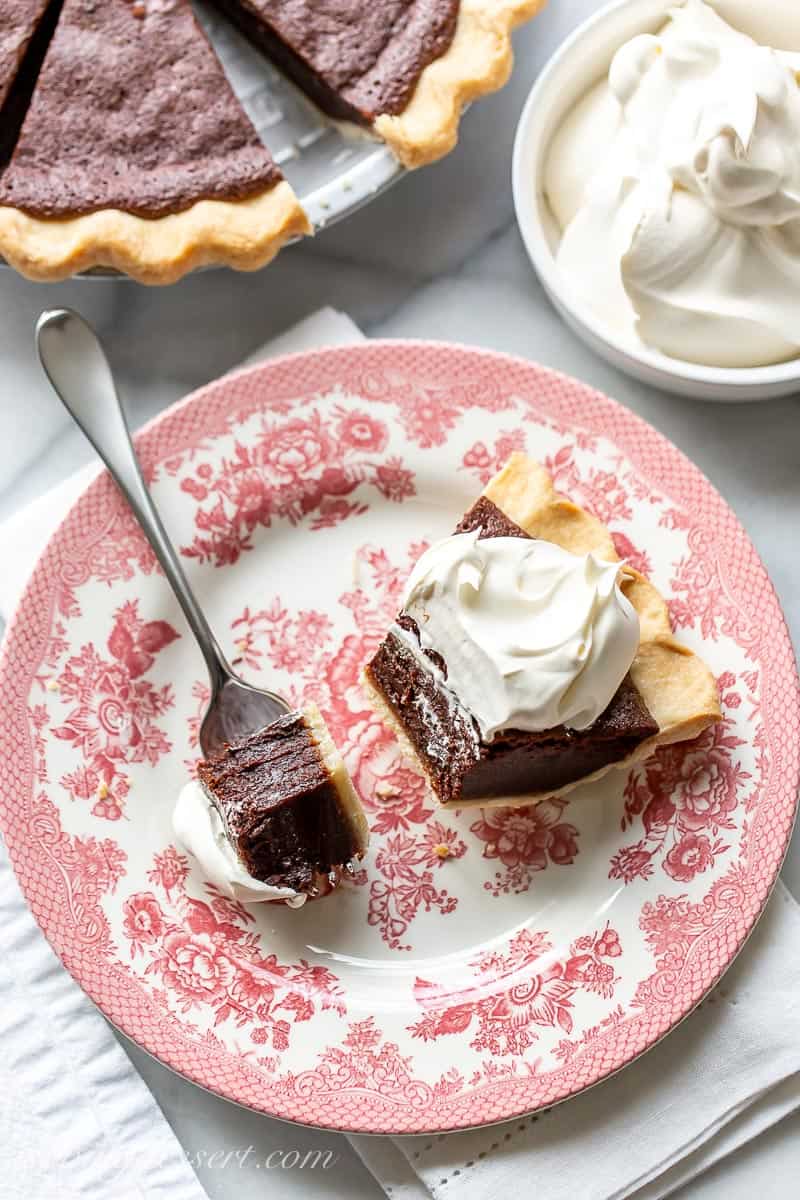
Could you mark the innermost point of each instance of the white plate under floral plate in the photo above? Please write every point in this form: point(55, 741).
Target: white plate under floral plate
point(555, 943)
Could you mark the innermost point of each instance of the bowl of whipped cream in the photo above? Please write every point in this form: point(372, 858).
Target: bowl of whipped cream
point(657, 188)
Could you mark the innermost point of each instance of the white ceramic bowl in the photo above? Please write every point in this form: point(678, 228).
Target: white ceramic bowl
point(578, 63)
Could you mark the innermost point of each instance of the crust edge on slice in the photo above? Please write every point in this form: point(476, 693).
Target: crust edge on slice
point(244, 234)
point(323, 883)
point(676, 685)
point(339, 775)
point(478, 60)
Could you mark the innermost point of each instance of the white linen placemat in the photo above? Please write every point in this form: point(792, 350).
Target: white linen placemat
point(731, 1071)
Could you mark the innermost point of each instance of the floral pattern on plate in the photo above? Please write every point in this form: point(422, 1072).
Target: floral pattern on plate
point(481, 964)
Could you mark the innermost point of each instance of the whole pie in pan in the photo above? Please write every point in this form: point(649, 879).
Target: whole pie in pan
point(135, 153)
point(122, 144)
point(661, 692)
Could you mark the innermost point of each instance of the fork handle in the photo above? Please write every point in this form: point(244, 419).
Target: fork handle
point(77, 367)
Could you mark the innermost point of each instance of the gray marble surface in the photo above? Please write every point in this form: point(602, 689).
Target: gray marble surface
point(437, 257)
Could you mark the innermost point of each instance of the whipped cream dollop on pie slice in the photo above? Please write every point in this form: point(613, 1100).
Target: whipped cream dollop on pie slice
point(532, 635)
point(527, 658)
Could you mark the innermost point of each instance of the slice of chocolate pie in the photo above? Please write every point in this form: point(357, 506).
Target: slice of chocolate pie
point(403, 68)
point(527, 659)
point(135, 154)
point(274, 817)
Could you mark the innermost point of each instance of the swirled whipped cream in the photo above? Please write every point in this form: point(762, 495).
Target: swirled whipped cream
point(198, 826)
point(531, 636)
point(676, 183)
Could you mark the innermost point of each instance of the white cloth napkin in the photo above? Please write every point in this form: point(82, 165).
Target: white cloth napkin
point(76, 1120)
point(728, 1072)
point(81, 1114)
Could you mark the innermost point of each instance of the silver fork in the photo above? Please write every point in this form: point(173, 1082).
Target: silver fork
point(78, 369)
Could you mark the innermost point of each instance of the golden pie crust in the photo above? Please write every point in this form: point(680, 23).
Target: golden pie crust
point(245, 234)
point(339, 776)
point(676, 685)
point(478, 60)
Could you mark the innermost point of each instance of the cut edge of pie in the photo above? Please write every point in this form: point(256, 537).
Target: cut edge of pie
point(287, 804)
point(245, 234)
point(677, 687)
point(478, 61)
point(19, 44)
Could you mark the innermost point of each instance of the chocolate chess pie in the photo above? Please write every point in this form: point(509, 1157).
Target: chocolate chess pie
point(122, 144)
point(135, 153)
point(527, 659)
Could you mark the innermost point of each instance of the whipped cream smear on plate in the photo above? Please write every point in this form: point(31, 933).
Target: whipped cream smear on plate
point(676, 184)
point(198, 826)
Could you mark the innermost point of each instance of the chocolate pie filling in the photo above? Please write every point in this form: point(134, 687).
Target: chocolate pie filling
point(356, 59)
point(132, 110)
point(447, 739)
point(279, 805)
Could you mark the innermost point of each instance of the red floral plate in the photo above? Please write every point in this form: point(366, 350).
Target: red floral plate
point(554, 943)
